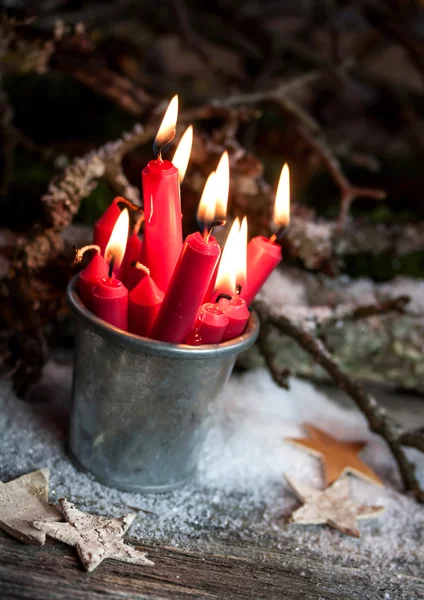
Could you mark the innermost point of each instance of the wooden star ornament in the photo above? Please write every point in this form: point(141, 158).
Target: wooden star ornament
point(337, 457)
point(95, 538)
point(24, 500)
point(333, 507)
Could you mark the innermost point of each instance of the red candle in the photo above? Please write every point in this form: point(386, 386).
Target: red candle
point(210, 325)
point(110, 302)
point(262, 258)
point(110, 296)
point(231, 277)
point(104, 225)
point(263, 254)
point(194, 269)
point(144, 302)
point(131, 276)
point(163, 236)
point(238, 314)
point(93, 272)
point(187, 288)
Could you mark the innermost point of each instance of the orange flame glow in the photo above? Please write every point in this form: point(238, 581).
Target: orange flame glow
point(206, 210)
point(166, 131)
point(183, 151)
point(222, 186)
point(242, 255)
point(282, 199)
point(230, 259)
point(118, 240)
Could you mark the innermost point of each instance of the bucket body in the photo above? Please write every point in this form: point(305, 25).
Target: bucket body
point(142, 408)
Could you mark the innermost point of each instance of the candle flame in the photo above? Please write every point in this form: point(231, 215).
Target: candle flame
point(118, 240)
point(222, 186)
point(229, 263)
point(242, 255)
point(207, 204)
point(183, 151)
point(282, 199)
point(166, 131)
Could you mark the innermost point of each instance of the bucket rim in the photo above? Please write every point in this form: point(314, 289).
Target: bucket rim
point(136, 343)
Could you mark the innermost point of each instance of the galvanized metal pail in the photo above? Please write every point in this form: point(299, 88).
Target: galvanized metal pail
point(142, 408)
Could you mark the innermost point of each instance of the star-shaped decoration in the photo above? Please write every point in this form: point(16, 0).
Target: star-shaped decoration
point(333, 507)
point(95, 538)
point(337, 457)
point(24, 500)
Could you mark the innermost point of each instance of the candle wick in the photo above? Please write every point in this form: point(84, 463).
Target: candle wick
point(226, 296)
point(279, 234)
point(111, 265)
point(131, 205)
point(207, 233)
point(140, 267)
point(138, 223)
point(238, 289)
point(79, 252)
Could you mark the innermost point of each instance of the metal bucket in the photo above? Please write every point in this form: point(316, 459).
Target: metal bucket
point(142, 408)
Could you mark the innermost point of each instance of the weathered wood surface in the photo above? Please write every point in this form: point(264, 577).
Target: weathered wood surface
point(54, 573)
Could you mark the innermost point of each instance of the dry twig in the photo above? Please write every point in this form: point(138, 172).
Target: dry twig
point(378, 420)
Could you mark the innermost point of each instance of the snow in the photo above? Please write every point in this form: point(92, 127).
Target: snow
point(239, 495)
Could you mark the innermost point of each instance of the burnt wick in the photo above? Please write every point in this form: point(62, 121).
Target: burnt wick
point(111, 265)
point(226, 296)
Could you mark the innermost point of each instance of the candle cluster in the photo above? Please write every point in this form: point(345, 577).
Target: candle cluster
point(167, 288)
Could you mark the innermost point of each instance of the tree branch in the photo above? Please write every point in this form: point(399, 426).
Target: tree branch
point(377, 418)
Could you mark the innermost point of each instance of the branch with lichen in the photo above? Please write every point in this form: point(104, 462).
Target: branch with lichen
point(61, 202)
point(377, 418)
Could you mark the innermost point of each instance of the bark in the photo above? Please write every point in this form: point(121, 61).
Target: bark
point(383, 348)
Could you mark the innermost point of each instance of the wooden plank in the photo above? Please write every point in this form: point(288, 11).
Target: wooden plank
point(54, 573)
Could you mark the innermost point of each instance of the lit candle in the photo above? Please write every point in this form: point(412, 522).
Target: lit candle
point(264, 254)
point(231, 276)
point(110, 296)
point(144, 302)
point(226, 275)
point(163, 237)
point(223, 175)
point(210, 326)
point(95, 271)
point(193, 272)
